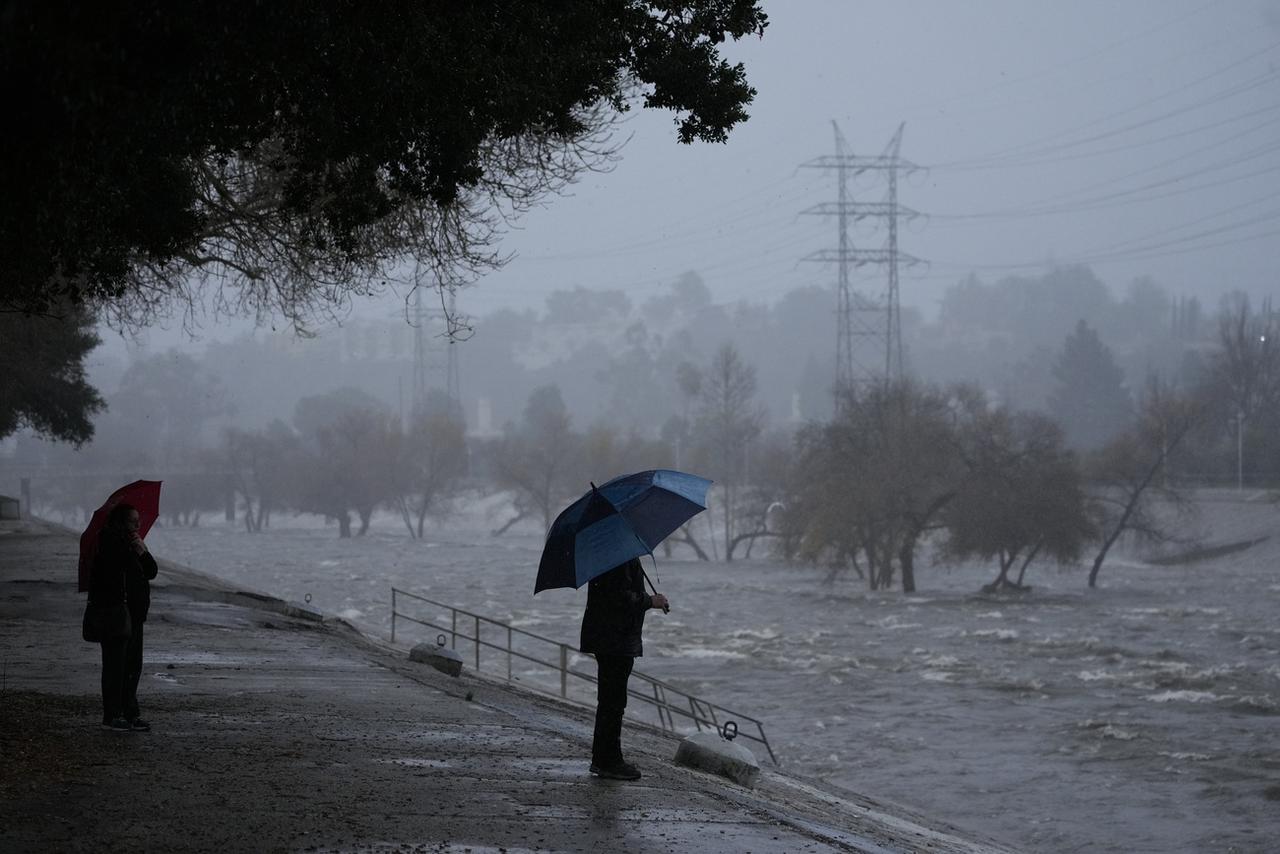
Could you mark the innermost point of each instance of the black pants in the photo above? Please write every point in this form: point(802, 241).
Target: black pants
point(611, 702)
point(121, 670)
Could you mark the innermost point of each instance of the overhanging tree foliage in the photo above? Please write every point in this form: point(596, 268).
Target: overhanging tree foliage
point(42, 384)
point(296, 152)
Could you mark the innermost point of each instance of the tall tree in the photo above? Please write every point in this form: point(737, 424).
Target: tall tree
point(1089, 398)
point(728, 418)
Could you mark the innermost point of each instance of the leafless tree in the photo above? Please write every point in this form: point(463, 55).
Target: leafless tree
point(728, 419)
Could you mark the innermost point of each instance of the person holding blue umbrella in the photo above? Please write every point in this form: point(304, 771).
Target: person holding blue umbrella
point(597, 541)
point(611, 631)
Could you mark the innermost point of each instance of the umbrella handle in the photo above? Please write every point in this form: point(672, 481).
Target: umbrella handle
point(667, 608)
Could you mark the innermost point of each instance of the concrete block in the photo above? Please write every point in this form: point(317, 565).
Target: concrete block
point(708, 751)
point(10, 508)
point(440, 657)
point(302, 612)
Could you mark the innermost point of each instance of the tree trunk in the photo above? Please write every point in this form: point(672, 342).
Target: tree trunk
point(1102, 553)
point(907, 561)
point(500, 531)
point(422, 516)
point(1002, 580)
point(249, 517)
point(748, 538)
point(1134, 497)
point(1031, 555)
point(402, 505)
point(686, 537)
point(728, 527)
point(344, 525)
point(366, 515)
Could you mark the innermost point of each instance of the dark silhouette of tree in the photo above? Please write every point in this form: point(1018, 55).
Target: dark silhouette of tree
point(1089, 398)
point(297, 150)
point(43, 385)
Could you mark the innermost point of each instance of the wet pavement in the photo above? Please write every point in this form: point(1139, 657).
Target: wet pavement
point(279, 729)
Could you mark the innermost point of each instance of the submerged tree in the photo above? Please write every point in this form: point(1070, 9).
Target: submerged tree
point(870, 484)
point(727, 419)
point(1126, 490)
point(535, 458)
point(346, 462)
point(1021, 497)
point(431, 460)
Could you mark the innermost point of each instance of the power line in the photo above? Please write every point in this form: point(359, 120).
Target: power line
point(1061, 140)
point(1122, 42)
point(1098, 202)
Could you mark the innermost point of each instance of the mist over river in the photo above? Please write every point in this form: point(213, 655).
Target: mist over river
point(1141, 716)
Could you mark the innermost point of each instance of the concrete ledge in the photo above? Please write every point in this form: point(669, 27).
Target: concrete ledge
point(707, 751)
point(440, 657)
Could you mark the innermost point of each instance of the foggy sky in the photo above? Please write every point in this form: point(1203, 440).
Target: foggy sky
point(1141, 137)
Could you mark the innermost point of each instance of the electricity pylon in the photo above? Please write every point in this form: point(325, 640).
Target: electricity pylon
point(868, 325)
point(430, 334)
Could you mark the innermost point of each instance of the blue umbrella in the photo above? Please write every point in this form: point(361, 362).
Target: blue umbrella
point(627, 517)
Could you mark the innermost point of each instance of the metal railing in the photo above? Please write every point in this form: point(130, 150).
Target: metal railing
point(555, 659)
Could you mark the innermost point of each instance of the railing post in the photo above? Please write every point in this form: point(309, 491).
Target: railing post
point(477, 616)
point(564, 670)
point(453, 630)
point(393, 615)
point(508, 653)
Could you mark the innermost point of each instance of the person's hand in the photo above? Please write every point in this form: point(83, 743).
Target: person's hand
point(139, 547)
point(660, 601)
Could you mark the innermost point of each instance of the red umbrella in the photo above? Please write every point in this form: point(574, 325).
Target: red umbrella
point(144, 495)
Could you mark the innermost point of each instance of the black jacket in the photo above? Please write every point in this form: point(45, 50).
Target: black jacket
point(616, 603)
point(122, 575)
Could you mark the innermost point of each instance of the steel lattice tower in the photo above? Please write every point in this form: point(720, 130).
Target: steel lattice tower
point(430, 332)
point(868, 326)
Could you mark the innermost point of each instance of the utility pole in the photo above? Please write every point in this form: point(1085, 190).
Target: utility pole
point(430, 332)
point(868, 326)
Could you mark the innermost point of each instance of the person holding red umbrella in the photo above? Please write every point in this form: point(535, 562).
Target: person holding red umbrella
point(121, 583)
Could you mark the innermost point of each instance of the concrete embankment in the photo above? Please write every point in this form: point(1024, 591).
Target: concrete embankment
point(277, 729)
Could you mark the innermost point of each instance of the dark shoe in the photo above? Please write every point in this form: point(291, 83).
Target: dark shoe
point(117, 725)
point(621, 771)
point(139, 725)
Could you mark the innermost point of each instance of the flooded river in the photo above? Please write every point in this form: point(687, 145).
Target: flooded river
point(1141, 716)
